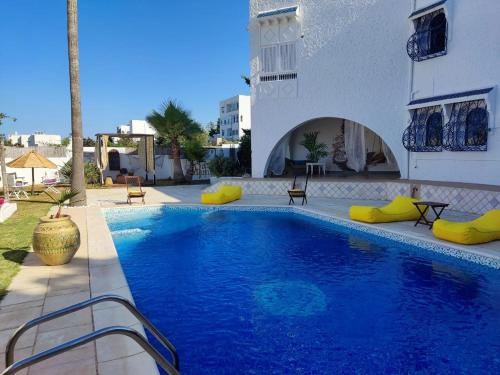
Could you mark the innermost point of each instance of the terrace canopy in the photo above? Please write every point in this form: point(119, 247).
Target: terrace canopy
point(145, 151)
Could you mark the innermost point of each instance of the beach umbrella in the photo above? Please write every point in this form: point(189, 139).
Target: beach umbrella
point(32, 160)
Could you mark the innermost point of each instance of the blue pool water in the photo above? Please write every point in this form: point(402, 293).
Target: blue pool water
point(280, 293)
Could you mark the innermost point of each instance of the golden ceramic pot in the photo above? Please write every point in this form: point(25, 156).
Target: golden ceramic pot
point(56, 241)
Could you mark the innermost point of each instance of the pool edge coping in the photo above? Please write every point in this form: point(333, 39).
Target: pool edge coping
point(102, 236)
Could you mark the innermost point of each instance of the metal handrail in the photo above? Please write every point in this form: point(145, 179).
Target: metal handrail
point(9, 352)
point(132, 333)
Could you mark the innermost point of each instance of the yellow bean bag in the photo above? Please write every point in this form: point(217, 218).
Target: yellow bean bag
point(400, 209)
point(225, 194)
point(482, 230)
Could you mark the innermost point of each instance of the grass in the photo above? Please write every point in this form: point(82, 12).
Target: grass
point(15, 237)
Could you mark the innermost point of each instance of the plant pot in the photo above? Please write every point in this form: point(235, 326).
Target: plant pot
point(56, 241)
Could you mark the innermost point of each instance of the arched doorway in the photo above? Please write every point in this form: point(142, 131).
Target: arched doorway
point(346, 148)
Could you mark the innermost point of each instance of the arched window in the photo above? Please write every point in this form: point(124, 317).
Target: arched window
point(476, 127)
point(425, 133)
point(437, 28)
point(434, 130)
point(430, 37)
point(114, 160)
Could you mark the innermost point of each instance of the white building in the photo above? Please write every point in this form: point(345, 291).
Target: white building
point(418, 77)
point(136, 127)
point(35, 139)
point(234, 116)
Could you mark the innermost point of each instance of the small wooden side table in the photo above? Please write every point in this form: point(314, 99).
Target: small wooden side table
point(436, 207)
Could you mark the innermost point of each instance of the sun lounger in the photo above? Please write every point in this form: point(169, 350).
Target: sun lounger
point(400, 209)
point(482, 230)
point(225, 194)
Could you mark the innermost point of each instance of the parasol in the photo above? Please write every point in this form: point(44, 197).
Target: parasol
point(32, 160)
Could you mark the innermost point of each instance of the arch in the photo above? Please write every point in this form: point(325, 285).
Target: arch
point(114, 160)
point(437, 28)
point(380, 144)
point(476, 127)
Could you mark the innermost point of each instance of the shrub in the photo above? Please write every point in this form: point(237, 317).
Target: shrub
point(245, 151)
point(221, 166)
point(91, 171)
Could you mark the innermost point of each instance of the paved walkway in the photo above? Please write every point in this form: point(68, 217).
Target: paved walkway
point(96, 270)
point(39, 289)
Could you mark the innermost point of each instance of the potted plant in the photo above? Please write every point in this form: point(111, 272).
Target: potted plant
point(56, 238)
point(316, 151)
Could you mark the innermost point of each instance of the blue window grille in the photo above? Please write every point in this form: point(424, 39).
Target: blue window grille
point(425, 133)
point(430, 38)
point(467, 129)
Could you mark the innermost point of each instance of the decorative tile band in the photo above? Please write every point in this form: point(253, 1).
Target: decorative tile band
point(323, 189)
point(460, 199)
point(113, 214)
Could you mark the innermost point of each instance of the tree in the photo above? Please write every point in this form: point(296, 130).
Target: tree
point(3, 116)
point(88, 142)
point(175, 125)
point(213, 128)
point(245, 151)
point(65, 141)
point(77, 177)
point(194, 149)
point(316, 150)
point(123, 142)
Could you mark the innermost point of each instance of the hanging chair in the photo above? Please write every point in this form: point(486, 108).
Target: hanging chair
point(339, 154)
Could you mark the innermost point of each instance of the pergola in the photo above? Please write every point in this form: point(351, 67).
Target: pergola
point(146, 151)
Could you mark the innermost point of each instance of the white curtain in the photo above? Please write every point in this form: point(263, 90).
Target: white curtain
point(355, 148)
point(288, 57)
point(269, 59)
point(389, 156)
point(141, 152)
point(280, 153)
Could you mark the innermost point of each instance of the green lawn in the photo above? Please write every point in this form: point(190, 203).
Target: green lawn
point(15, 237)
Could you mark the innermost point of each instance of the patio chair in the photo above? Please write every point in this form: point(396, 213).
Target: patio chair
point(297, 191)
point(134, 189)
point(16, 187)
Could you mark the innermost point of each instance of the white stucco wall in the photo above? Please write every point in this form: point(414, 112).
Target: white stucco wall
point(472, 62)
point(352, 64)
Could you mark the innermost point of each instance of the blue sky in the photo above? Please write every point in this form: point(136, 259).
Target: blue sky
point(134, 54)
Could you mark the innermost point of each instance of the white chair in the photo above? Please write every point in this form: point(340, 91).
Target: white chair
point(16, 186)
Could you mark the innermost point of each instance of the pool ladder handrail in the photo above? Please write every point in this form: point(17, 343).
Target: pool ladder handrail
point(12, 367)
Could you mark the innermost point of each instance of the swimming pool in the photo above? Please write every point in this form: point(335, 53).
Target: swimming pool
point(264, 292)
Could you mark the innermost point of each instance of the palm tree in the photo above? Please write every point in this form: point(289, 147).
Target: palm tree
point(77, 177)
point(175, 124)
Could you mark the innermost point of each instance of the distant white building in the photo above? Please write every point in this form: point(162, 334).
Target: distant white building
point(35, 139)
point(136, 127)
point(234, 116)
